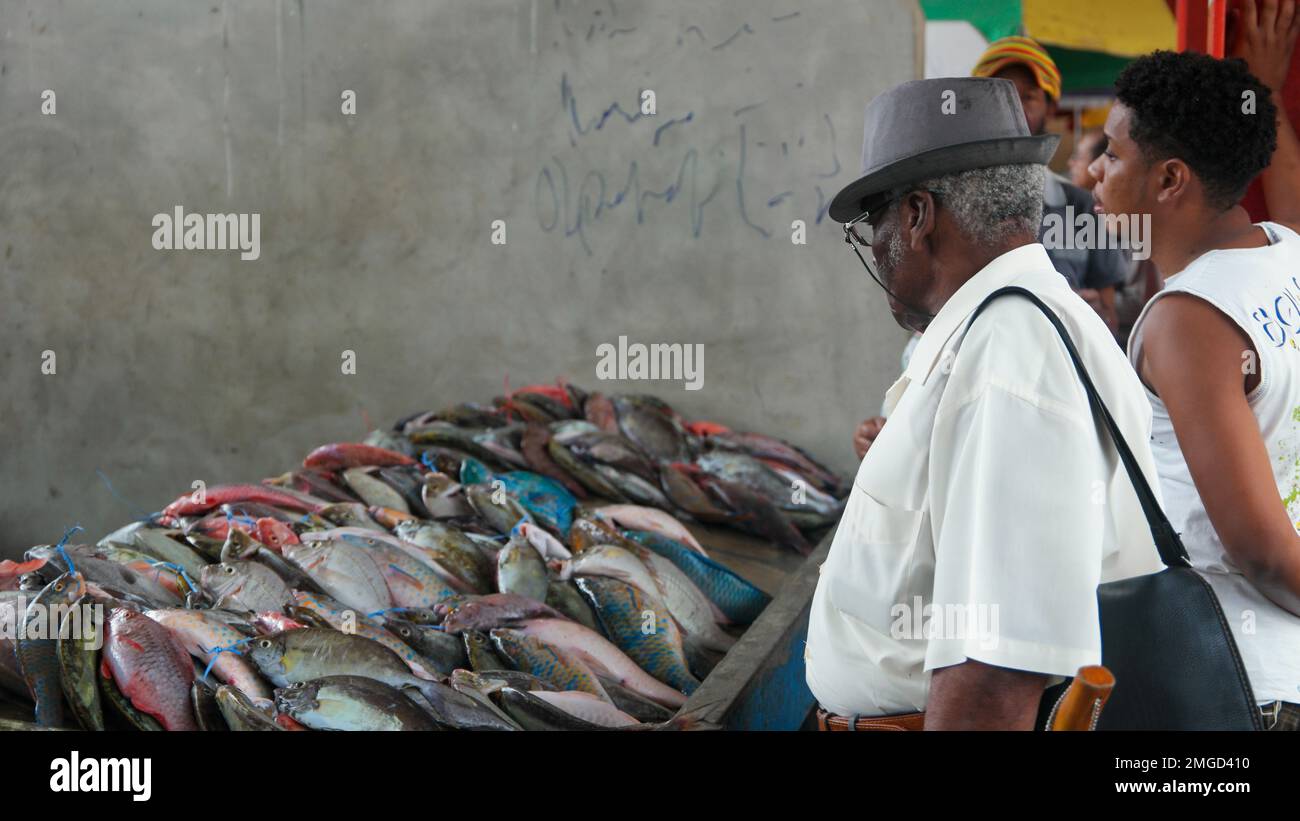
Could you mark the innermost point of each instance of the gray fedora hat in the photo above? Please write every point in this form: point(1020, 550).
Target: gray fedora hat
point(928, 128)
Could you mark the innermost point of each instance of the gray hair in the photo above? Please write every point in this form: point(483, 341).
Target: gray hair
point(990, 204)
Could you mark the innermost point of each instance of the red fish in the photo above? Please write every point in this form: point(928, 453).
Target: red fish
point(11, 571)
point(217, 527)
point(274, 534)
point(556, 392)
point(354, 454)
point(227, 494)
point(150, 667)
point(600, 412)
point(704, 428)
point(286, 722)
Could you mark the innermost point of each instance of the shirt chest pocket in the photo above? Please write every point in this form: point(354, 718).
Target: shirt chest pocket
point(882, 561)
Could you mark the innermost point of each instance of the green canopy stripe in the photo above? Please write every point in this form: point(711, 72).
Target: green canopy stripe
point(992, 18)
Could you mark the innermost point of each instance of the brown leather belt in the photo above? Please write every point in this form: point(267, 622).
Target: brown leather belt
point(900, 723)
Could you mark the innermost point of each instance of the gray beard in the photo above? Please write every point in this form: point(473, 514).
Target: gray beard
point(909, 319)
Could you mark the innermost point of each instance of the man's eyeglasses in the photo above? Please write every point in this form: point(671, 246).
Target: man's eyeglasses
point(860, 233)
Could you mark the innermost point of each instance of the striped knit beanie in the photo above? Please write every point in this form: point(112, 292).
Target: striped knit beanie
point(1009, 50)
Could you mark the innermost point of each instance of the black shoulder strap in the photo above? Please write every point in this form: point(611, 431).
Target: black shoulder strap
point(1172, 552)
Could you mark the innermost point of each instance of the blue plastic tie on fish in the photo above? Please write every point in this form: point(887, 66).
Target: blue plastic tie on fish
point(248, 520)
point(178, 569)
point(217, 651)
point(132, 509)
point(426, 459)
point(63, 552)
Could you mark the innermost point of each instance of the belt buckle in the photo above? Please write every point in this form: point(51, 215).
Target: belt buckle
point(1271, 711)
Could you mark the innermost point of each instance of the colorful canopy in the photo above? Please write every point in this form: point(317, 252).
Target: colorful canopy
point(1090, 42)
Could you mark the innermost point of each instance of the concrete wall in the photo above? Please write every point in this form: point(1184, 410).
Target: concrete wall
point(173, 366)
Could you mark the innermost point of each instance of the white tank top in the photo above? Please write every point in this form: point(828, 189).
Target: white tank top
point(1259, 290)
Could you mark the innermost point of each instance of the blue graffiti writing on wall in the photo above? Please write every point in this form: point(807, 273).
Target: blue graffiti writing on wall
point(559, 204)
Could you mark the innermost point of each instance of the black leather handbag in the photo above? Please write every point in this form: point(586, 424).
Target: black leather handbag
point(1163, 635)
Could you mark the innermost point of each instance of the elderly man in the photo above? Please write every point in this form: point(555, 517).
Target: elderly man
point(963, 577)
point(1094, 273)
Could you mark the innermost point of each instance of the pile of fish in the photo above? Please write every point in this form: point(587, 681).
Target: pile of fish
point(518, 566)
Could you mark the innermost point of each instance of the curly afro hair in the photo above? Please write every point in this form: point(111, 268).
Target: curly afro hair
point(1190, 106)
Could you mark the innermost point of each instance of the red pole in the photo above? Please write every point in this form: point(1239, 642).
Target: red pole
point(1193, 24)
point(1218, 23)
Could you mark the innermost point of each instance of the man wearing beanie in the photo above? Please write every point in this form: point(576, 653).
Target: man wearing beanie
point(1093, 273)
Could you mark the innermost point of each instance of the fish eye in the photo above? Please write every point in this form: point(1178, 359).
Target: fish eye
point(265, 644)
point(58, 587)
point(298, 685)
point(229, 570)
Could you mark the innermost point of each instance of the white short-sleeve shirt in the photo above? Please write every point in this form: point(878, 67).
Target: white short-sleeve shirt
point(989, 507)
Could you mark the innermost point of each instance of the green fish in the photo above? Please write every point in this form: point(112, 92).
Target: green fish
point(450, 437)
point(159, 543)
point(653, 426)
point(451, 548)
point(308, 653)
point(532, 655)
point(633, 487)
point(374, 491)
point(589, 478)
point(445, 652)
point(532, 713)
point(635, 704)
point(206, 709)
point(81, 635)
point(489, 681)
point(349, 514)
point(496, 507)
point(648, 637)
point(351, 703)
point(521, 571)
point(38, 647)
point(240, 714)
point(564, 597)
point(389, 440)
point(482, 657)
point(13, 725)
